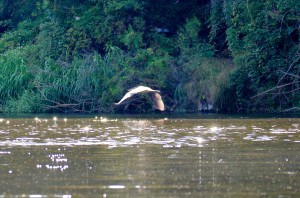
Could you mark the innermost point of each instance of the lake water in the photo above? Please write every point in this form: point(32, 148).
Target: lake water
point(149, 157)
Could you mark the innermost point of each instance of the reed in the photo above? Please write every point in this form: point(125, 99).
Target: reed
point(14, 76)
point(89, 83)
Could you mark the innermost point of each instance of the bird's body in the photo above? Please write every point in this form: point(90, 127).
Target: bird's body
point(154, 94)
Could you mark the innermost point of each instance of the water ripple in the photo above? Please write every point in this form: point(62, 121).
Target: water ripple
point(131, 132)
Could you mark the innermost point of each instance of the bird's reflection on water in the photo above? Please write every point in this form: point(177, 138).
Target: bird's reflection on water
point(161, 157)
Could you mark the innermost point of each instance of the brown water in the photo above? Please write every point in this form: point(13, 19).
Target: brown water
point(149, 157)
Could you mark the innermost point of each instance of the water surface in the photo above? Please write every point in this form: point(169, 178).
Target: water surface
point(149, 157)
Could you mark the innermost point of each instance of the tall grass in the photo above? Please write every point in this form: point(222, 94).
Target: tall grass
point(14, 76)
point(67, 86)
point(89, 83)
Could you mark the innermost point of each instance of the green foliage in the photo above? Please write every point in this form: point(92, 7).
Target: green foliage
point(197, 68)
point(188, 34)
point(125, 6)
point(114, 74)
point(132, 39)
point(15, 75)
point(81, 34)
point(205, 81)
point(23, 35)
point(29, 102)
point(51, 40)
point(14, 12)
point(81, 56)
point(264, 39)
point(191, 45)
point(217, 24)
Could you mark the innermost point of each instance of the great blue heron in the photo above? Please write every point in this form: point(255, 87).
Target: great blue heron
point(154, 94)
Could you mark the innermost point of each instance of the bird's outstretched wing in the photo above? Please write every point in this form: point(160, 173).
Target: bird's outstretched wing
point(155, 96)
point(134, 91)
point(127, 95)
point(157, 101)
point(140, 89)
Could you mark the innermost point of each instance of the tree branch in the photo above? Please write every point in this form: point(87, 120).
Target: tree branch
point(274, 88)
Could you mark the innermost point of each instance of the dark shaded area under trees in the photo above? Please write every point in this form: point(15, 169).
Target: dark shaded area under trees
point(83, 55)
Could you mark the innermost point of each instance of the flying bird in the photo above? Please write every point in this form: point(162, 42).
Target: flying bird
point(154, 94)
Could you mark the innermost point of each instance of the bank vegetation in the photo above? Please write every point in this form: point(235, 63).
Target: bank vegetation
point(83, 55)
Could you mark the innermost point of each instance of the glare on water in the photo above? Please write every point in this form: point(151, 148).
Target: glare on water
point(159, 157)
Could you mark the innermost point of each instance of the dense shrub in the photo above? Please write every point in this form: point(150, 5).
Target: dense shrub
point(82, 56)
